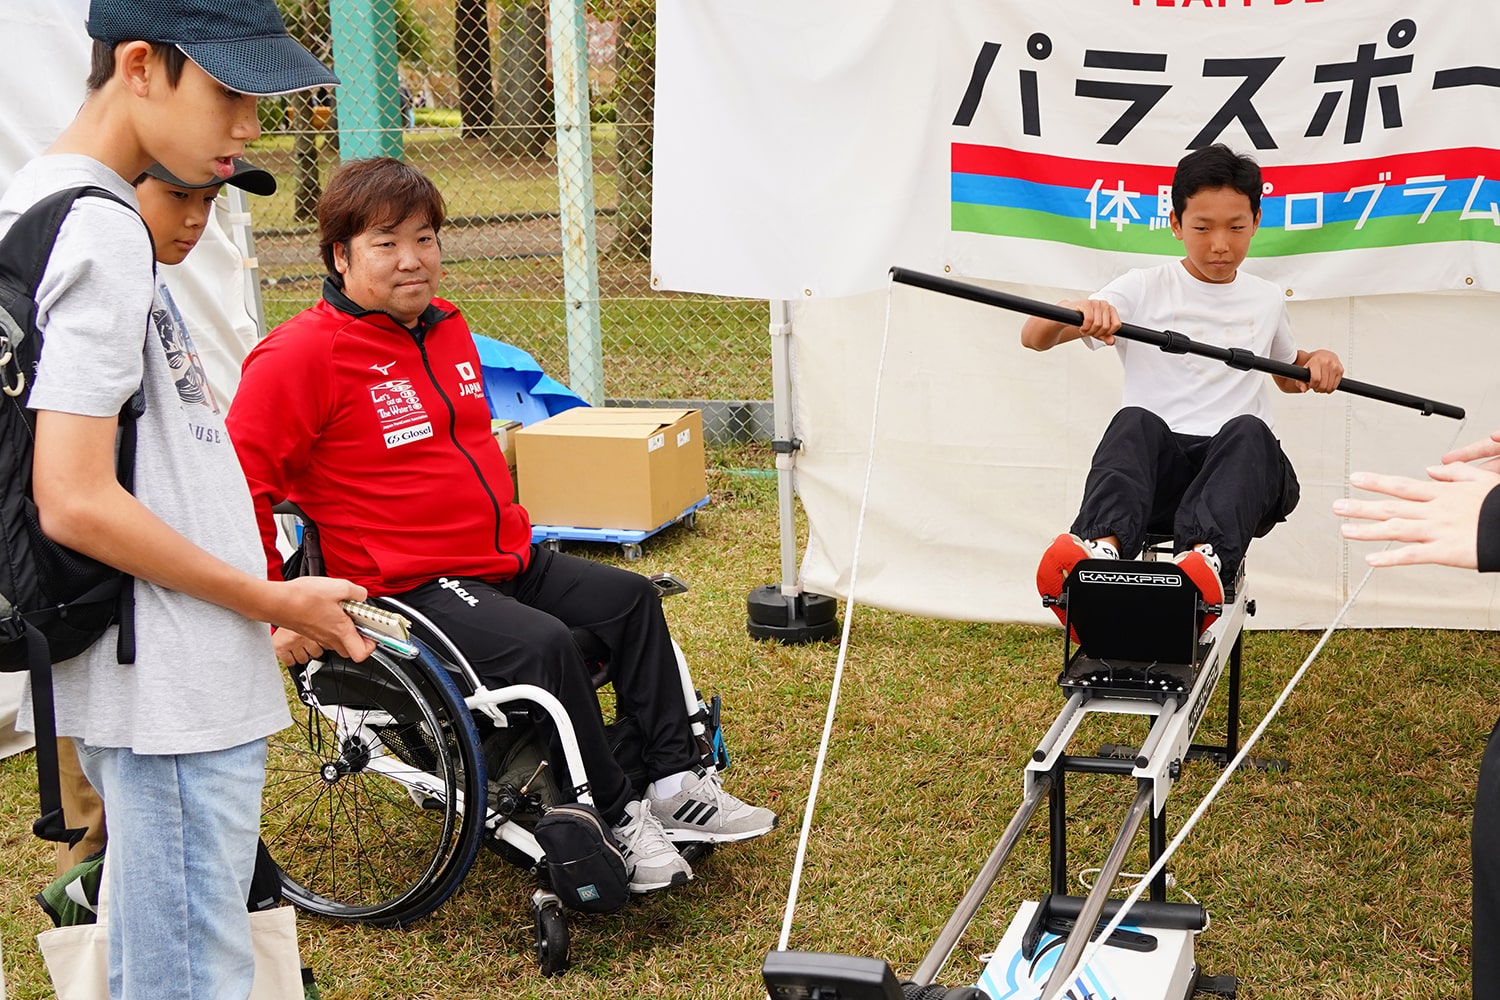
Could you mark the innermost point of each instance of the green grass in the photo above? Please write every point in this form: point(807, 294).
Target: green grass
point(655, 345)
point(475, 177)
point(1345, 877)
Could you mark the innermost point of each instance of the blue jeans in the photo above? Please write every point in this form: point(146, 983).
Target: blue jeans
point(182, 834)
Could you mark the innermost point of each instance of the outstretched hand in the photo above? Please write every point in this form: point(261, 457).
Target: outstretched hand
point(1437, 519)
point(1488, 448)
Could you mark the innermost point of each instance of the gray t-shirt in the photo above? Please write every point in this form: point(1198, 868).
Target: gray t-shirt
point(205, 678)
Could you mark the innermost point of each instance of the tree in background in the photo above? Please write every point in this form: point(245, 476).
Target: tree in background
point(525, 112)
point(474, 63)
point(635, 96)
point(308, 22)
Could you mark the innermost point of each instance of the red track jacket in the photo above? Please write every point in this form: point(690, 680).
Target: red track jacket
point(382, 436)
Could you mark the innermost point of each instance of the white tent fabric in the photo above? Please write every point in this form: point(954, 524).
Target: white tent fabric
point(981, 448)
point(43, 73)
point(801, 152)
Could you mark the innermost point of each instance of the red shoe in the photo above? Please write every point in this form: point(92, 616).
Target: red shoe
point(1065, 552)
point(1203, 569)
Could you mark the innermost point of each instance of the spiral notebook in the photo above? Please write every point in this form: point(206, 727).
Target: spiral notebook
point(386, 628)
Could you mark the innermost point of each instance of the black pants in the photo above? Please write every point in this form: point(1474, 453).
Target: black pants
point(518, 632)
point(1224, 490)
point(1486, 848)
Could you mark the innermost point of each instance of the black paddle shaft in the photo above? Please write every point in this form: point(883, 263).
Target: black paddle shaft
point(1167, 340)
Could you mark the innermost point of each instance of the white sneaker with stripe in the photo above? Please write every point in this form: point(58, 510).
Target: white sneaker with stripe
point(702, 811)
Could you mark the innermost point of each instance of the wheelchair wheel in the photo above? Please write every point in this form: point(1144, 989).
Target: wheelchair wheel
point(366, 794)
point(550, 935)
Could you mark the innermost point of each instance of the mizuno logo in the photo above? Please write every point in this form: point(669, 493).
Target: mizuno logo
point(384, 369)
point(1130, 579)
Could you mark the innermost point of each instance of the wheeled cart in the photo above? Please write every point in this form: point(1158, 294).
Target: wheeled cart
point(629, 541)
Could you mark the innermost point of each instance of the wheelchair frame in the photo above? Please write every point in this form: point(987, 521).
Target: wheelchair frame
point(389, 756)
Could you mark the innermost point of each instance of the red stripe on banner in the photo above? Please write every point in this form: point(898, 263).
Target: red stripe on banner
point(1043, 169)
point(1398, 168)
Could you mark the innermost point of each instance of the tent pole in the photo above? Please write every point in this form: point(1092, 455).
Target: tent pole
point(783, 611)
point(242, 234)
point(786, 457)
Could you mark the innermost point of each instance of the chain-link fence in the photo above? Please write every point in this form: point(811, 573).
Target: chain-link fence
point(463, 90)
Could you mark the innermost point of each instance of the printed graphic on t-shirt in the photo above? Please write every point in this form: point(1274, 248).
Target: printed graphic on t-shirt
point(470, 386)
point(402, 417)
point(187, 369)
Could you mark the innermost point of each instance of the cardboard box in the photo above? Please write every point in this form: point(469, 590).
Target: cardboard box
point(615, 467)
point(505, 436)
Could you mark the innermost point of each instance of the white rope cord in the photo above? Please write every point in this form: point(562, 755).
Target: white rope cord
point(1192, 821)
point(838, 670)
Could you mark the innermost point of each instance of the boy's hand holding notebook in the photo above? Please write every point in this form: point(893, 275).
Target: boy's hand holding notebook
point(388, 629)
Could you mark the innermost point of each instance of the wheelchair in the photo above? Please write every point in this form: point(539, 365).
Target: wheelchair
point(396, 771)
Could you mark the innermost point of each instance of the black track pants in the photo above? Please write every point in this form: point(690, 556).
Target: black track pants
point(1224, 490)
point(518, 632)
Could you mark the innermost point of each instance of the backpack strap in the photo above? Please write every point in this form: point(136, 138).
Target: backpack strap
point(125, 472)
point(38, 227)
point(50, 824)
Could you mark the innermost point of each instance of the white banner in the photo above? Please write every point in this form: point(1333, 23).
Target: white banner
point(801, 150)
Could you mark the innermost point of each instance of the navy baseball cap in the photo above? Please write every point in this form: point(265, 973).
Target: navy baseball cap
point(251, 178)
point(243, 44)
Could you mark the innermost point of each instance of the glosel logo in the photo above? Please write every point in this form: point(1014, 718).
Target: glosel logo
point(1129, 579)
point(465, 371)
point(408, 434)
point(458, 591)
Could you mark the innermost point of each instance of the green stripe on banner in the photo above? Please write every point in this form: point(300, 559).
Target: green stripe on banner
point(1032, 225)
point(1271, 241)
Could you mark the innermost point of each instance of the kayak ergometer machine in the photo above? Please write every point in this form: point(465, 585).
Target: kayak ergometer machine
point(1134, 646)
point(1138, 654)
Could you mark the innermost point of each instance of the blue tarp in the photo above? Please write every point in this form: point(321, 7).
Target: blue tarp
point(516, 387)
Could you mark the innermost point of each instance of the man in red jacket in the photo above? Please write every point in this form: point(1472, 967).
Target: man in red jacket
point(367, 410)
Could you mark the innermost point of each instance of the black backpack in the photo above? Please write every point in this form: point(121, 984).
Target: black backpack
point(54, 602)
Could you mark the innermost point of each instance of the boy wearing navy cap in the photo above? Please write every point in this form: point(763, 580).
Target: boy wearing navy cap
point(176, 212)
point(176, 740)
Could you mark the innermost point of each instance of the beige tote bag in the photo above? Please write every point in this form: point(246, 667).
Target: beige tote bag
point(77, 957)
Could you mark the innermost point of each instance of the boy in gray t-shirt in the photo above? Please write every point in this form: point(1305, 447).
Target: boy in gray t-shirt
point(175, 742)
point(176, 214)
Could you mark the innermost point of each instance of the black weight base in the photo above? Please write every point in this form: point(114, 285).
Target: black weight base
point(1216, 986)
point(794, 621)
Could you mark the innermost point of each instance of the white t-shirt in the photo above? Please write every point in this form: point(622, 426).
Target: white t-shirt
point(1197, 395)
point(205, 678)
